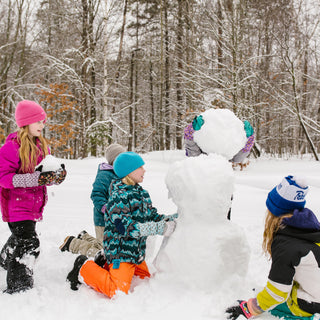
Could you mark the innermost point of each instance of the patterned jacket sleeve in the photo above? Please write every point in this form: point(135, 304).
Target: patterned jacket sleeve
point(26, 180)
point(249, 144)
point(192, 149)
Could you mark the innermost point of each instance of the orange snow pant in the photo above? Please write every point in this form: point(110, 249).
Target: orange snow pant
point(108, 280)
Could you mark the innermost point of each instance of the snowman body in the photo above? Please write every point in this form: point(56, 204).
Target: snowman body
point(206, 248)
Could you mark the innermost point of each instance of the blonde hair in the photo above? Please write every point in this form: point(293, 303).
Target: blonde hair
point(30, 149)
point(271, 226)
point(127, 180)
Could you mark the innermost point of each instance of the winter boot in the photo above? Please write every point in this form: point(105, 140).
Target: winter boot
point(73, 275)
point(66, 243)
point(20, 266)
point(20, 279)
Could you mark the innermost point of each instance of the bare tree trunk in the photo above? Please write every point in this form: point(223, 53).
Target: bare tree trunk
point(220, 35)
point(298, 113)
point(136, 81)
point(119, 57)
point(179, 51)
point(167, 79)
point(161, 66)
point(84, 95)
point(131, 101)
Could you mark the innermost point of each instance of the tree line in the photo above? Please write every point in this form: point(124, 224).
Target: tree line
point(136, 72)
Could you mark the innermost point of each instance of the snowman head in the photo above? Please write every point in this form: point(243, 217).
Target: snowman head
point(220, 132)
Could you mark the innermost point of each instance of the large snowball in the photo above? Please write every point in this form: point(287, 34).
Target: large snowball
point(207, 255)
point(201, 187)
point(222, 133)
point(50, 163)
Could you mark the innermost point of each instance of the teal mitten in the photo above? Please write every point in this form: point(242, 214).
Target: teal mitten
point(197, 123)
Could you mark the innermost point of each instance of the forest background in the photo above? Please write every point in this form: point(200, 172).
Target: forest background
point(136, 72)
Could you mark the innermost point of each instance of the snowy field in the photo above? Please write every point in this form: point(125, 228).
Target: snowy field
point(69, 211)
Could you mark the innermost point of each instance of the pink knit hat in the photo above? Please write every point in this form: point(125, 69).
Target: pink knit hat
point(28, 112)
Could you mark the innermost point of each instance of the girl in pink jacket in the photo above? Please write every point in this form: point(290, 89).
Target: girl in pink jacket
point(23, 193)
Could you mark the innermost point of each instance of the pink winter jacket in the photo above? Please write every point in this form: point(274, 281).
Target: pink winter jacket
point(18, 204)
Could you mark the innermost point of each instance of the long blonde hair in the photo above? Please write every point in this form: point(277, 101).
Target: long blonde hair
point(271, 226)
point(30, 149)
point(127, 180)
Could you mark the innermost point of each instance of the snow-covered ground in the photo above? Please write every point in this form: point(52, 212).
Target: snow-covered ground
point(69, 211)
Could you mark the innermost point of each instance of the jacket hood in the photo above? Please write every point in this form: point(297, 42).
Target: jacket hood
point(302, 225)
point(303, 219)
point(105, 166)
point(12, 136)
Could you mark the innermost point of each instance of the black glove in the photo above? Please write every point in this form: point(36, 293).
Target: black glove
point(39, 168)
point(240, 309)
point(60, 174)
point(47, 178)
point(100, 258)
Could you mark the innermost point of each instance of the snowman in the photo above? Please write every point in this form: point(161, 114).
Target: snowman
point(206, 248)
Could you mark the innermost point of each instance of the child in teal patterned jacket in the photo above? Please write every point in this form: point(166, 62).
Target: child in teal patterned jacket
point(84, 243)
point(129, 219)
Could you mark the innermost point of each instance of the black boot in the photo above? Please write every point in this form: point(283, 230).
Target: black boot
point(72, 276)
point(21, 261)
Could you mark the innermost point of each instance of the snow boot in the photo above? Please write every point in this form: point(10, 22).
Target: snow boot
point(21, 261)
point(66, 243)
point(73, 275)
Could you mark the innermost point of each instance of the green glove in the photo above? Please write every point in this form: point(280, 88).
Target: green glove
point(248, 128)
point(197, 123)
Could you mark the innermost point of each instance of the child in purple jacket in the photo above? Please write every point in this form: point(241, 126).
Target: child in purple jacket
point(23, 193)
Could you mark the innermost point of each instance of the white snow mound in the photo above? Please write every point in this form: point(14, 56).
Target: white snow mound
point(206, 248)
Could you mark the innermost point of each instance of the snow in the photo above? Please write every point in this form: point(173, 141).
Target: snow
point(50, 163)
point(165, 295)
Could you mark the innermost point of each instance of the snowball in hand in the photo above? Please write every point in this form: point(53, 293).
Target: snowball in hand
point(222, 133)
point(50, 163)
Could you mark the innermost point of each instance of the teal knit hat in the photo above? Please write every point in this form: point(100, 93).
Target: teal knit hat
point(127, 162)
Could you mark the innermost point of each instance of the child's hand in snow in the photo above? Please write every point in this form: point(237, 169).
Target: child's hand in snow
point(169, 228)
